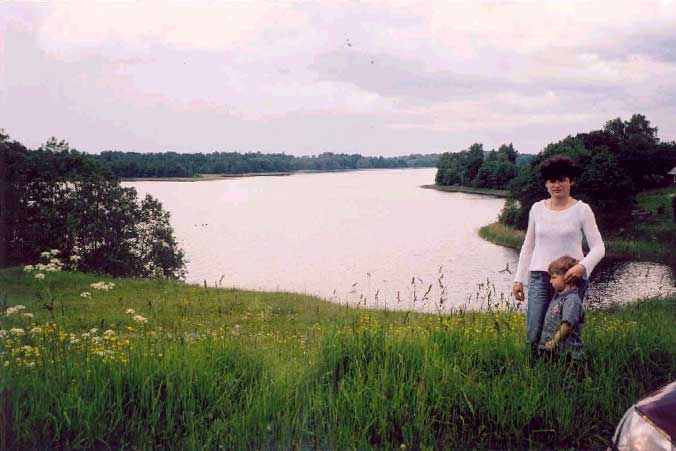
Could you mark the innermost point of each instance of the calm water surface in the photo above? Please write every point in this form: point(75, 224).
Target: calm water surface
point(369, 237)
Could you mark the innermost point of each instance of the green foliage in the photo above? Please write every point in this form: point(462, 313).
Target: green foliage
point(58, 198)
point(472, 167)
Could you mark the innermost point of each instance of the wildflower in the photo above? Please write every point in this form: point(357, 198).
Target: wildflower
point(39, 276)
point(28, 268)
point(28, 315)
point(109, 333)
point(130, 311)
point(3, 333)
point(93, 331)
point(54, 252)
point(85, 294)
point(97, 340)
point(103, 286)
point(74, 341)
point(52, 267)
point(236, 329)
point(17, 331)
point(45, 254)
point(75, 258)
point(140, 319)
point(16, 309)
point(86, 336)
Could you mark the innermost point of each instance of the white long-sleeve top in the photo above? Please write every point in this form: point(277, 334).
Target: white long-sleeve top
point(552, 234)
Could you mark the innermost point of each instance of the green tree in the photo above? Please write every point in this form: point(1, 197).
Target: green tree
point(62, 199)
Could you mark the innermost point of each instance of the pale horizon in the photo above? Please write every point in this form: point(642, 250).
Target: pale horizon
point(345, 77)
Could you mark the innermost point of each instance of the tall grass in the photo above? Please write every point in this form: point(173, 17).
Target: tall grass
point(217, 368)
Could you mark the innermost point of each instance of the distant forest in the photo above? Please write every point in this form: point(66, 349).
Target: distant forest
point(172, 164)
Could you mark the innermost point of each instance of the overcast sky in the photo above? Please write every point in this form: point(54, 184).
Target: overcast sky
point(385, 78)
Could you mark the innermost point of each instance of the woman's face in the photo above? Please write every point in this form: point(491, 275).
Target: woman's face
point(559, 187)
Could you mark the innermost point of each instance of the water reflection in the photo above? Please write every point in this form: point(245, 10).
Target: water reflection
point(616, 282)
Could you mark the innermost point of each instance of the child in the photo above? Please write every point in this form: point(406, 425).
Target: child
point(562, 328)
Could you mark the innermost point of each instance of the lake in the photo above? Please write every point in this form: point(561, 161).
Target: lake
point(371, 237)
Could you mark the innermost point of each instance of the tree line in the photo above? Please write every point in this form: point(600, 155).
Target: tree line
point(480, 169)
point(616, 162)
point(55, 197)
point(172, 164)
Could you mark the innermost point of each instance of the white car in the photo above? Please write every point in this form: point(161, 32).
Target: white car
point(650, 424)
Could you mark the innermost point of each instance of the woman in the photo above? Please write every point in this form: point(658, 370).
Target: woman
point(555, 228)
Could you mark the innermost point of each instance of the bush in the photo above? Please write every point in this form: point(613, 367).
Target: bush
point(58, 198)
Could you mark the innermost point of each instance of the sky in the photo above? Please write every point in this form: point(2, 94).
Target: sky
point(376, 78)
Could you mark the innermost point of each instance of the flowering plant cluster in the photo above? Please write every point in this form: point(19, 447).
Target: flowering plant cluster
point(52, 263)
point(138, 318)
point(103, 286)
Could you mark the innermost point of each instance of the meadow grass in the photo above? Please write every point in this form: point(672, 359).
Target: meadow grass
point(228, 369)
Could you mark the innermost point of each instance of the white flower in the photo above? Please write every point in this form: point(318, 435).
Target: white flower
point(3, 333)
point(16, 309)
point(130, 311)
point(45, 254)
point(52, 268)
point(39, 276)
point(36, 330)
point(28, 315)
point(54, 252)
point(75, 258)
point(85, 294)
point(97, 340)
point(104, 286)
point(93, 331)
point(140, 319)
point(16, 331)
point(109, 333)
point(74, 341)
point(86, 335)
point(28, 268)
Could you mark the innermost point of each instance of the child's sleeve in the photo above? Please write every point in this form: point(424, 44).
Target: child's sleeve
point(572, 311)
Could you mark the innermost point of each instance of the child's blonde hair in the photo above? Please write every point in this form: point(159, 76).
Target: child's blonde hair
point(561, 265)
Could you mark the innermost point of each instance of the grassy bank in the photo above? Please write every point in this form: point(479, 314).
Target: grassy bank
point(154, 364)
point(652, 238)
point(467, 189)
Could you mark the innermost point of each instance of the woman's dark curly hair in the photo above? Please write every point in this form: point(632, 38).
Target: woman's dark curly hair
point(559, 166)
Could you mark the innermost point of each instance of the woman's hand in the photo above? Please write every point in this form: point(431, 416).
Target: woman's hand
point(517, 291)
point(574, 274)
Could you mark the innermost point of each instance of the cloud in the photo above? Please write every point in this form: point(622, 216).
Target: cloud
point(341, 76)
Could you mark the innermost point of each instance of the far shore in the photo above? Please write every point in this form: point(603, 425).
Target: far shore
point(212, 177)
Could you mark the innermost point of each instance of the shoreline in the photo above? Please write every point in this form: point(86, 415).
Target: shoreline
point(468, 190)
point(212, 177)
